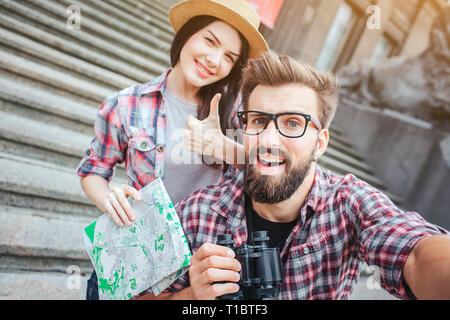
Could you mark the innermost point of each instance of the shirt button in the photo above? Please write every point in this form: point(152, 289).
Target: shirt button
point(305, 250)
point(160, 148)
point(144, 144)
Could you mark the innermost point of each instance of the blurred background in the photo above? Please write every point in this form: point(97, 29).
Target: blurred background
point(59, 59)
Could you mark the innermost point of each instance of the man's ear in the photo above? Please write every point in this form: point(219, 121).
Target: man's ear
point(322, 143)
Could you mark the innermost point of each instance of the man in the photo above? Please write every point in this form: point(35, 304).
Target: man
point(324, 225)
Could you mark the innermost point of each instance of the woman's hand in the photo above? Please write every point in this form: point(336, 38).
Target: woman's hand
point(205, 137)
point(117, 205)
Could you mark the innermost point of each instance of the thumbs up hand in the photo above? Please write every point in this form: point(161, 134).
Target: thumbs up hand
point(206, 138)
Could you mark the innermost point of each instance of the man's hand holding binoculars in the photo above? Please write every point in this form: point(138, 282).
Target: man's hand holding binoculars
point(211, 265)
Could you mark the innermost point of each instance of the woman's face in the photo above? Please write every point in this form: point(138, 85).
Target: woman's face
point(210, 54)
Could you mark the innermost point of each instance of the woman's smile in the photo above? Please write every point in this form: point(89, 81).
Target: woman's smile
point(202, 70)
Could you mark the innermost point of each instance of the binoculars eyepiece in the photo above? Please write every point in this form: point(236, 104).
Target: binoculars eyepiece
point(261, 274)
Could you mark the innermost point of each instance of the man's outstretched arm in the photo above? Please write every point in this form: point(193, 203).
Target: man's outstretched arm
point(427, 268)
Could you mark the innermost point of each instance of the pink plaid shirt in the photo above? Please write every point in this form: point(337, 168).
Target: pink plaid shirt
point(343, 222)
point(131, 127)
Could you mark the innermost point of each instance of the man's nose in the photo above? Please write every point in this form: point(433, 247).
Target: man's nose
point(270, 136)
point(271, 128)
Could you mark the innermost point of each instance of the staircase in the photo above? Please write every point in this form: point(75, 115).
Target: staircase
point(52, 80)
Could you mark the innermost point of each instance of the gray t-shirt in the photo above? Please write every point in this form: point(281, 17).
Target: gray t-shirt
point(185, 171)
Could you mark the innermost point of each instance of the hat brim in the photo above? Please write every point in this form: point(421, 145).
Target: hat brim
point(182, 12)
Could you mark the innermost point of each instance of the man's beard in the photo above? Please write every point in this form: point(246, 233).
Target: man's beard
point(274, 189)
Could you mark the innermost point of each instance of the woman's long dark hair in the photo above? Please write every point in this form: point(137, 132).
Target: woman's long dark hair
point(229, 86)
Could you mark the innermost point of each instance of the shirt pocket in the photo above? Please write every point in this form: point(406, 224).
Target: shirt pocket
point(306, 269)
point(142, 152)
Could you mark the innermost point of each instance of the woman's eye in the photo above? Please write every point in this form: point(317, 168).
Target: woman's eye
point(230, 58)
point(209, 40)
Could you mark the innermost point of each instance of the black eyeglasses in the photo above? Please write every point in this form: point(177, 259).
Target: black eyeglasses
point(289, 124)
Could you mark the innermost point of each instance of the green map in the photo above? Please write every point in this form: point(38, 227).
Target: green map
point(148, 255)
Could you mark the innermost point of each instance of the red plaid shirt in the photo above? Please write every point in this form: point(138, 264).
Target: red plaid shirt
point(131, 127)
point(343, 222)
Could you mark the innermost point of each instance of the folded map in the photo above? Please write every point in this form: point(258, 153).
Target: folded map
point(148, 255)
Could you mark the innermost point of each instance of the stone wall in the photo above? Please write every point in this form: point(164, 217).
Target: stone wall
point(407, 154)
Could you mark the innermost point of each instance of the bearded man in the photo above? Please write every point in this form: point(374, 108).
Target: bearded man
point(324, 225)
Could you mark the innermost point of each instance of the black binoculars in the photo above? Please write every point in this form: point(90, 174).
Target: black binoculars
point(261, 274)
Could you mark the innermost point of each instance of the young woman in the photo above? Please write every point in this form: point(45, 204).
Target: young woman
point(141, 125)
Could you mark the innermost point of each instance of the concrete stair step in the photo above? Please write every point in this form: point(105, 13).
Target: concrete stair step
point(334, 130)
point(153, 11)
point(47, 137)
point(72, 49)
point(45, 87)
point(165, 4)
point(41, 286)
point(46, 143)
point(15, 263)
point(336, 135)
point(342, 168)
point(135, 17)
point(91, 26)
point(349, 160)
point(342, 148)
point(161, 6)
point(45, 107)
point(341, 140)
point(83, 38)
point(41, 185)
point(40, 253)
point(119, 24)
point(73, 86)
point(37, 184)
point(66, 63)
point(41, 234)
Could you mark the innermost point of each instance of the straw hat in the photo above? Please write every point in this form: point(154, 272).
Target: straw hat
point(238, 13)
